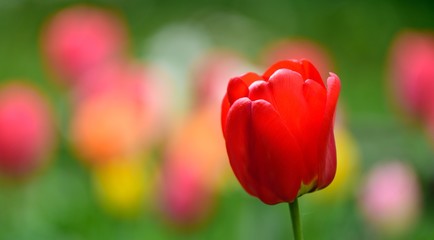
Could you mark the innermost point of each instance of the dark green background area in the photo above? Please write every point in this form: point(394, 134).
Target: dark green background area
point(60, 204)
point(358, 34)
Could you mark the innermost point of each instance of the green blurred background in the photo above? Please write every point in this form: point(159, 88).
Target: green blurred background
point(61, 203)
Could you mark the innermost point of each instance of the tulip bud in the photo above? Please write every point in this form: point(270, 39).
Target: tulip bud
point(278, 129)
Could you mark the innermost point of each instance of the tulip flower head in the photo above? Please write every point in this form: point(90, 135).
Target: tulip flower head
point(278, 129)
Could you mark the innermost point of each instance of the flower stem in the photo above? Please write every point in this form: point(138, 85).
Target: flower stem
point(295, 217)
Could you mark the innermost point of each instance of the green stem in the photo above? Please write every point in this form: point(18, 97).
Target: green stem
point(295, 217)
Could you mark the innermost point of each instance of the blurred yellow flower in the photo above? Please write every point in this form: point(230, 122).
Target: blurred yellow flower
point(121, 186)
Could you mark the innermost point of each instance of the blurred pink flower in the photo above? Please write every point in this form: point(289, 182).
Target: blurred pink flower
point(194, 170)
point(197, 143)
point(79, 38)
point(299, 48)
point(391, 198)
point(109, 77)
point(26, 130)
point(411, 72)
point(185, 199)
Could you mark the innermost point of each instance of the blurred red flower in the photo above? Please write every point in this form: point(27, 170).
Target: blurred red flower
point(26, 130)
point(80, 38)
point(278, 129)
point(411, 73)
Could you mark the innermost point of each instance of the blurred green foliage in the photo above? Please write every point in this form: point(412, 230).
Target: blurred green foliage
point(60, 204)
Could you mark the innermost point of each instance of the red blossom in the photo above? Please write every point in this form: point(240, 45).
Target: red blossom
point(278, 129)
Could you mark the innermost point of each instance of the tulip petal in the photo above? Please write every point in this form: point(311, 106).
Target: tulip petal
point(327, 169)
point(315, 96)
point(225, 109)
point(310, 72)
point(333, 89)
point(248, 79)
point(304, 67)
point(278, 155)
point(287, 88)
point(237, 88)
point(261, 90)
point(293, 65)
point(241, 147)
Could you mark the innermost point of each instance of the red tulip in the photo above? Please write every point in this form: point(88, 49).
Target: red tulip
point(278, 129)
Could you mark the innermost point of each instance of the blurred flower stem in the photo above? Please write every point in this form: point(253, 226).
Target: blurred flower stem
point(295, 218)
